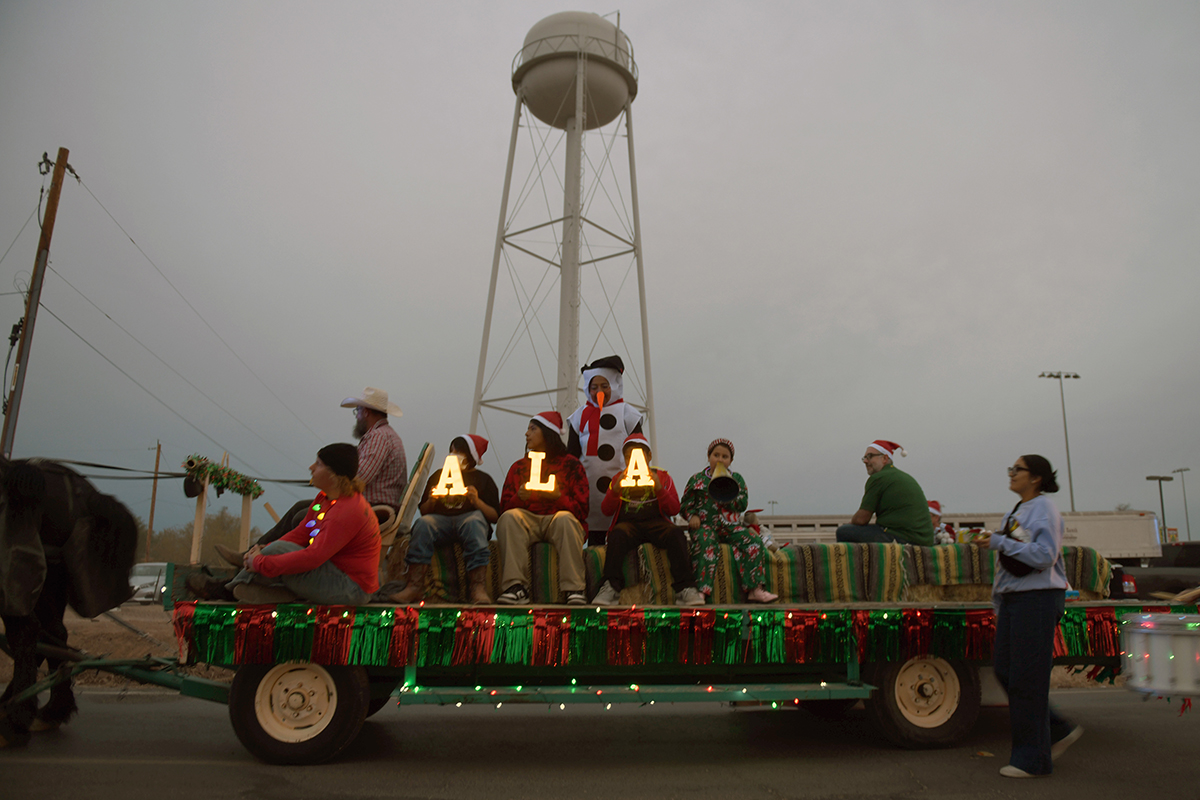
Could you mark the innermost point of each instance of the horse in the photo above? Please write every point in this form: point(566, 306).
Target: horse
point(62, 542)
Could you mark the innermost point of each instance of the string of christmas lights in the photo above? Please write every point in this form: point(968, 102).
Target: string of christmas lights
point(229, 635)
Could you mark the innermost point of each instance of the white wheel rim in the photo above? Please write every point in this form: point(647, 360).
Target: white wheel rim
point(295, 702)
point(927, 692)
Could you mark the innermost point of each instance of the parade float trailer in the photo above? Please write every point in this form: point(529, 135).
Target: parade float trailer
point(906, 629)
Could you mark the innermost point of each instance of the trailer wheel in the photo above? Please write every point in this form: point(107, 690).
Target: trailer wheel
point(297, 713)
point(924, 702)
point(376, 705)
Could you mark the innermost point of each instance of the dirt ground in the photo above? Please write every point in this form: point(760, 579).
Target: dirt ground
point(105, 637)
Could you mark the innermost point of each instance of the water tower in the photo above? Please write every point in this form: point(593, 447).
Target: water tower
point(575, 74)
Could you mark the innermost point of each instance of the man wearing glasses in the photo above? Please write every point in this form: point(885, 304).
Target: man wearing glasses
point(894, 498)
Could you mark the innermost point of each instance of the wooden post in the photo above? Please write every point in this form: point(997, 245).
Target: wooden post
point(153, 498)
point(244, 536)
point(32, 300)
point(198, 526)
point(271, 511)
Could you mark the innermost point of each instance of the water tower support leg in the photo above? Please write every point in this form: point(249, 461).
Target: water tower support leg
point(568, 310)
point(476, 405)
point(637, 249)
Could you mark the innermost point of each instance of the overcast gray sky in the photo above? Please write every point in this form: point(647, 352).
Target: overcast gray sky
point(860, 221)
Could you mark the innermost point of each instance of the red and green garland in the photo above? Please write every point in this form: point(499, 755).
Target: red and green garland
point(450, 636)
point(200, 469)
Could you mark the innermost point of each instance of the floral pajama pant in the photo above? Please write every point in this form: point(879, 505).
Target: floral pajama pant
point(749, 554)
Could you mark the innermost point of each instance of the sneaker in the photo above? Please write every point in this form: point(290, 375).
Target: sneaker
point(576, 598)
point(1010, 771)
point(1060, 747)
point(514, 595)
point(689, 596)
point(761, 595)
point(231, 556)
point(607, 596)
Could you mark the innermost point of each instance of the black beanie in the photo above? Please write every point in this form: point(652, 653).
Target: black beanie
point(342, 458)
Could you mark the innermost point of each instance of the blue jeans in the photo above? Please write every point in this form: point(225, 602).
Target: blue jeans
point(1023, 658)
point(863, 534)
point(326, 585)
point(433, 530)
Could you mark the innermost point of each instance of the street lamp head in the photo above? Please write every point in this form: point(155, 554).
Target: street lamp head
point(1182, 469)
point(1059, 375)
point(1159, 478)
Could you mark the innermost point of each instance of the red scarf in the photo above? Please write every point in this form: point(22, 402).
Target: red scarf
point(589, 421)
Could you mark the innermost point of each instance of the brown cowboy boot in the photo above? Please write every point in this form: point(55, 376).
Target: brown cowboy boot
point(414, 592)
point(477, 593)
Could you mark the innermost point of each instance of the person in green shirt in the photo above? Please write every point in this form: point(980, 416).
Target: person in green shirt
point(894, 498)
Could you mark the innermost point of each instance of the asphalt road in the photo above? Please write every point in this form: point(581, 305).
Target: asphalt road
point(152, 744)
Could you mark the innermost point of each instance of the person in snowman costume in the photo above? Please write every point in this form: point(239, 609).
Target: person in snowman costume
point(597, 433)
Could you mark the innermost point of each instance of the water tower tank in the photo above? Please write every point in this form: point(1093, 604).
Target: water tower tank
point(545, 69)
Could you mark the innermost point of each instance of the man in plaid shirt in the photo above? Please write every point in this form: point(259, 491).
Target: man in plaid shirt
point(382, 465)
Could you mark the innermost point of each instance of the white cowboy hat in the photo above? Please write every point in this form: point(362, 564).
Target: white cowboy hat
point(375, 399)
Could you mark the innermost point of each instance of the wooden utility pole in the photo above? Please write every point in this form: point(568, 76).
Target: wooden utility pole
point(198, 524)
point(31, 306)
point(153, 497)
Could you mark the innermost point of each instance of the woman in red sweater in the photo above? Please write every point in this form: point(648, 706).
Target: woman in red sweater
point(332, 556)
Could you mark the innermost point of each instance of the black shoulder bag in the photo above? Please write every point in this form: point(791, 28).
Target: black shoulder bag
point(1014, 567)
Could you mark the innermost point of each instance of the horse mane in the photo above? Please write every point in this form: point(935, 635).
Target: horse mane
point(116, 536)
point(24, 485)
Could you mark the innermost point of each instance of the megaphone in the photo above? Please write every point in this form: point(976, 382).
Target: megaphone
point(723, 488)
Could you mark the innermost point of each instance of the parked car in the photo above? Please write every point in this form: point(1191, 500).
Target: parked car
point(147, 581)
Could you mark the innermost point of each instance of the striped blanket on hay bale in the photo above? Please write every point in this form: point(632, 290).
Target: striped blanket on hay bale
point(809, 573)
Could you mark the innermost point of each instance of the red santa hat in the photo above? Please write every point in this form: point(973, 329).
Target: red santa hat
point(476, 446)
point(889, 449)
point(935, 507)
point(636, 439)
point(551, 420)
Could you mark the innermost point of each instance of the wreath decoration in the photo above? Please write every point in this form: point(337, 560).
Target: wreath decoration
point(220, 478)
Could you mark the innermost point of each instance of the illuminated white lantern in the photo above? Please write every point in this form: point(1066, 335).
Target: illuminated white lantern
point(536, 484)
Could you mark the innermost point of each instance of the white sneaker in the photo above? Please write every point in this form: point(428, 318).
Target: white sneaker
point(761, 595)
point(607, 596)
point(689, 596)
point(1060, 747)
point(514, 595)
point(1010, 771)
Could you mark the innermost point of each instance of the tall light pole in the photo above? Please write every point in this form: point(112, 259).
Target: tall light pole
point(1183, 485)
point(1062, 398)
point(1162, 508)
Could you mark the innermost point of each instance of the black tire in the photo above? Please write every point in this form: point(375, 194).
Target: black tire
point(924, 702)
point(275, 720)
point(829, 710)
point(376, 705)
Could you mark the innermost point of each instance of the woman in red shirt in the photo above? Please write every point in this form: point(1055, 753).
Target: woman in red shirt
point(332, 556)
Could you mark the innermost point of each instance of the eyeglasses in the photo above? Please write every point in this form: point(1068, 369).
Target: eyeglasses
point(1012, 471)
point(869, 456)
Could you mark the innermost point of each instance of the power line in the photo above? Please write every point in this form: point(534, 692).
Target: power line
point(168, 366)
point(18, 236)
point(194, 311)
point(147, 391)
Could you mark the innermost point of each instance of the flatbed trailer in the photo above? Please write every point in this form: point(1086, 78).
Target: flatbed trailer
point(307, 676)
